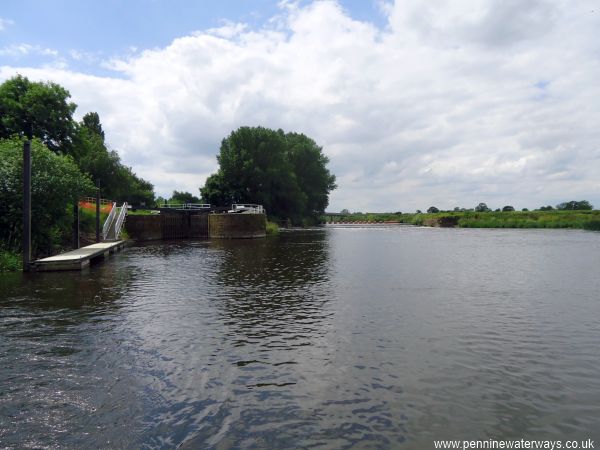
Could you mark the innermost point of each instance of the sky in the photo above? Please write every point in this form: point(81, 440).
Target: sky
point(416, 103)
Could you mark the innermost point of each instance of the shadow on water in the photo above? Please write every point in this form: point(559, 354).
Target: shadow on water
point(272, 299)
point(271, 284)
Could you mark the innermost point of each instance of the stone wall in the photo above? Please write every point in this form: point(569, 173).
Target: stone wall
point(237, 226)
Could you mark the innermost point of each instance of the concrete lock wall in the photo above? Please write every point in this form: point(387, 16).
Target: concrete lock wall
point(182, 226)
point(237, 226)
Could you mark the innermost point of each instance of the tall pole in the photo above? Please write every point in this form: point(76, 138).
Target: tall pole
point(26, 205)
point(76, 224)
point(98, 212)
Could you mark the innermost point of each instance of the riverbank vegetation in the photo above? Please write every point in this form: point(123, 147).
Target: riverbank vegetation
point(285, 172)
point(555, 218)
point(69, 158)
point(272, 228)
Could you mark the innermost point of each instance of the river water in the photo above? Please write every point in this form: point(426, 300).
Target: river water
point(362, 338)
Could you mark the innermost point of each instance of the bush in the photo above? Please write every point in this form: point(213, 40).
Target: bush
point(272, 228)
point(10, 262)
point(593, 225)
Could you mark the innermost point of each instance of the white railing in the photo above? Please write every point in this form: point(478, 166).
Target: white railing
point(186, 206)
point(120, 220)
point(247, 209)
point(109, 221)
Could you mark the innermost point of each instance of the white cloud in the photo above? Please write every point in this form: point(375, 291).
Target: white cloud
point(18, 50)
point(450, 104)
point(5, 23)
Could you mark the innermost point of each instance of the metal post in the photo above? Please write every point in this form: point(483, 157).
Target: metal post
point(26, 205)
point(76, 224)
point(98, 213)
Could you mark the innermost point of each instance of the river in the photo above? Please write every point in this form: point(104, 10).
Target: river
point(340, 337)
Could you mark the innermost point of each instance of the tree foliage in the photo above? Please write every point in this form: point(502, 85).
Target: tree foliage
point(508, 208)
point(39, 110)
point(56, 184)
point(43, 111)
point(286, 173)
point(582, 205)
point(117, 181)
point(433, 210)
point(183, 197)
point(482, 207)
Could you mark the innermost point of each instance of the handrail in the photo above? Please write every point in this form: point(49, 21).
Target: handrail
point(247, 208)
point(103, 201)
point(120, 220)
point(109, 221)
point(185, 206)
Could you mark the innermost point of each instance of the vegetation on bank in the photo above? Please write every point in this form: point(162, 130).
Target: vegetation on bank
point(579, 219)
point(272, 228)
point(69, 158)
point(10, 261)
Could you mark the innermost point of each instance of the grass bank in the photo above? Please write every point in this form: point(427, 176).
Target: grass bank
point(588, 220)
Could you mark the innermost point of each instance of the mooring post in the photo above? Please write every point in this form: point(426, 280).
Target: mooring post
point(98, 212)
point(76, 224)
point(26, 205)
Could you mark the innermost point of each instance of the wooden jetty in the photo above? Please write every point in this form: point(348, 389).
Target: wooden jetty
point(77, 259)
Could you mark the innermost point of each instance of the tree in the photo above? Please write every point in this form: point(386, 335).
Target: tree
point(582, 205)
point(309, 166)
point(345, 212)
point(482, 207)
point(432, 210)
point(546, 208)
point(183, 197)
point(508, 208)
point(35, 109)
point(117, 181)
point(286, 173)
point(56, 184)
point(91, 121)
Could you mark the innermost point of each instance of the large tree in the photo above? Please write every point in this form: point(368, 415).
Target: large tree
point(286, 173)
point(35, 109)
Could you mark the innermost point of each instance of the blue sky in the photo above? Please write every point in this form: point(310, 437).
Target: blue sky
point(416, 103)
point(115, 28)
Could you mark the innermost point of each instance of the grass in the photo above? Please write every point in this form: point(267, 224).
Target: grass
point(140, 212)
point(87, 220)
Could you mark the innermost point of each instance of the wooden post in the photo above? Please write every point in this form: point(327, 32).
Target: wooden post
point(98, 213)
point(76, 224)
point(26, 205)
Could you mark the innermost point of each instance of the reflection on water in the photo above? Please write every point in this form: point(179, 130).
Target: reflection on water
point(333, 338)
